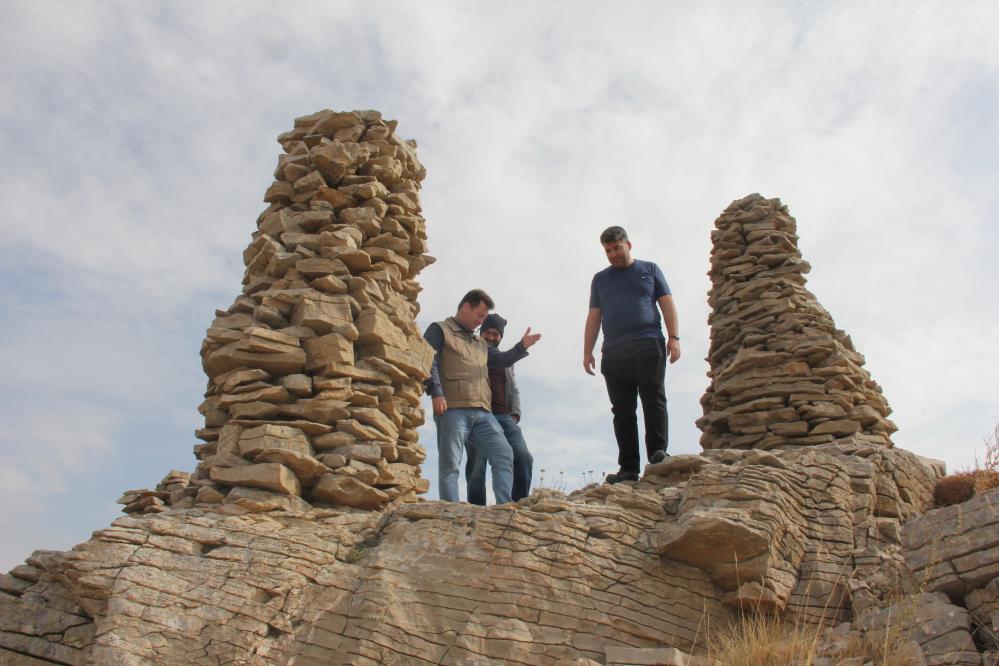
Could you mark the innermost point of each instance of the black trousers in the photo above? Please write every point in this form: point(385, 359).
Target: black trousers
point(632, 370)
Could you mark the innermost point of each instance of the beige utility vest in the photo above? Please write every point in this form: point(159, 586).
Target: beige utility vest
point(462, 364)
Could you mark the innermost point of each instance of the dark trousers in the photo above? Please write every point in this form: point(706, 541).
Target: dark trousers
point(523, 465)
point(632, 370)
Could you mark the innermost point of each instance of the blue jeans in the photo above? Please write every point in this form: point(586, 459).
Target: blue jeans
point(523, 465)
point(477, 430)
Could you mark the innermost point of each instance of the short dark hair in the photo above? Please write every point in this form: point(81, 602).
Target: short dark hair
point(613, 234)
point(475, 297)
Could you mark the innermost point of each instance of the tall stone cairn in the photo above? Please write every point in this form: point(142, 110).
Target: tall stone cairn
point(781, 373)
point(315, 371)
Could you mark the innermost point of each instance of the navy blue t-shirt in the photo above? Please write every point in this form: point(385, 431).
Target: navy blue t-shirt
point(628, 300)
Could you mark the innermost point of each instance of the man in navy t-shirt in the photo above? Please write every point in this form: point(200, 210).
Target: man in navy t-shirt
point(626, 298)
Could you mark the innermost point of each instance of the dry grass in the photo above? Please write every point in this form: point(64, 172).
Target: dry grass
point(886, 645)
point(759, 638)
point(764, 639)
point(961, 487)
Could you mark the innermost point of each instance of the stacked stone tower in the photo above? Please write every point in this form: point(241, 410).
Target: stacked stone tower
point(781, 372)
point(315, 370)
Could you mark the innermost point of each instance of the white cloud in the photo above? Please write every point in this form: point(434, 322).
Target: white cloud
point(139, 141)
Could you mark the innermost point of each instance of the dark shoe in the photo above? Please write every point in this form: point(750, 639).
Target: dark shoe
point(659, 456)
point(621, 476)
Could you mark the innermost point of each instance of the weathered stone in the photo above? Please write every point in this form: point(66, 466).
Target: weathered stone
point(355, 260)
point(298, 385)
point(272, 394)
point(725, 543)
point(838, 428)
point(376, 419)
point(333, 440)
point(254, 440)
point(230, 356)
point(375, 328)
point(368, 453)
point(332, 460)
point(332, 348)
point(628, 656)
point(348, 491)
point(209, 495)
point(266, 476)
point(413, 454)
point(322, 316)
point(254, 410)
point(416, 359)
point(942, 630)
point(229, 381)
point(359, 430)
point(955, 549)
point(319, 410)
point(256, 500)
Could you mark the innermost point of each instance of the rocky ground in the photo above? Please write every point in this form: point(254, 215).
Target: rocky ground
point(609, 572)
point(300, 536)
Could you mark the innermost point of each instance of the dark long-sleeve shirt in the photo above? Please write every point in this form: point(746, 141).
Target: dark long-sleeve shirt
point(497, 359)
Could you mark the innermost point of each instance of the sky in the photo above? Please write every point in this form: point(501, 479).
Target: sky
point(138, 139)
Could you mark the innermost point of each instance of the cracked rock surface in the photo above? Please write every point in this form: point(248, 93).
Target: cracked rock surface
point(547, 580)
point(300, 537)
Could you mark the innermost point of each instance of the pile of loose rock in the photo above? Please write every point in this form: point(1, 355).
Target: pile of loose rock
point(781, 372)
point(315, 371)
point(171, 488)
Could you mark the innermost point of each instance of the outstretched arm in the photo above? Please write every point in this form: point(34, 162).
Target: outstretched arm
point(505, 359)
point(590, 331)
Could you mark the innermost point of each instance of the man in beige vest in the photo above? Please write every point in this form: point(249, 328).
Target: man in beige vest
point(462, 401)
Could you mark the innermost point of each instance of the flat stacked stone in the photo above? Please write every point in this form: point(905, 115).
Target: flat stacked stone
point(781, 372)
point(315, 371)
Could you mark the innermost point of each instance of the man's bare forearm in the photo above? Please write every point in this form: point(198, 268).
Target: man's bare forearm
point(670, 316)
point(590, 331)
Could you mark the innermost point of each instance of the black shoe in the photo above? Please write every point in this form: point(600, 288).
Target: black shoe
point(659, 456)
point(621, 476)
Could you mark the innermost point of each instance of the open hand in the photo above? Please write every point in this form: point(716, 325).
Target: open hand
point(529, 338)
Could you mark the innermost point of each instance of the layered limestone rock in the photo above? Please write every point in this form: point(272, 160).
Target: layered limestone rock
point(781, 373)
point(315, 371)
point(946, 608)
point(294, 542)
point(813, 532)
point(955, 551)
point(610, 574)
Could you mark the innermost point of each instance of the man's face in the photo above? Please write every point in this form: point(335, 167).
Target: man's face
point(618, 253)
point(492, 336)
point(472, 317)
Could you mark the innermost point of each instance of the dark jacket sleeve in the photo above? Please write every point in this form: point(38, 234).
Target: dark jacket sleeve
point(435, 337)
point(505, 359)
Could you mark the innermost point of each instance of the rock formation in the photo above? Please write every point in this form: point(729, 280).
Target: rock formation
point(315, 371)
point(296, 539)
point(781, 373)
point(656, 564)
